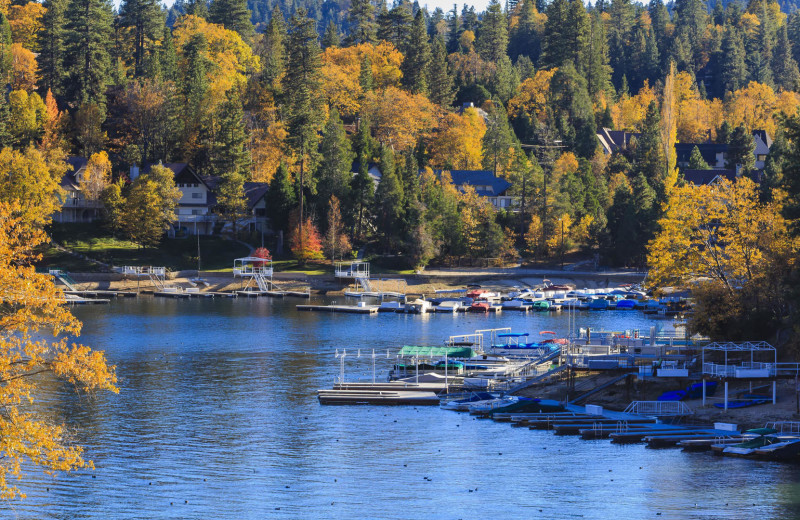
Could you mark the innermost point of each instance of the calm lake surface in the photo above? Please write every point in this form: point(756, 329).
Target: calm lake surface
point(217, 418)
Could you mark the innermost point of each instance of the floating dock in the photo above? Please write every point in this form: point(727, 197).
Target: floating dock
point(348, 309)
point(378, 397)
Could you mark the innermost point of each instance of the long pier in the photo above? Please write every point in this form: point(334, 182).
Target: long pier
point(347, 309)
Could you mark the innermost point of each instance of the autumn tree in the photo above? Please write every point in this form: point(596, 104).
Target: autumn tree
point(35, 348)
point(34, 178)
point(150, 206)
point(336, 243)
point(96, 177)
point(305, 241)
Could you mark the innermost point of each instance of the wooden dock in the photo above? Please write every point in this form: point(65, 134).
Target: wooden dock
point(349, 309)
point(377, 397)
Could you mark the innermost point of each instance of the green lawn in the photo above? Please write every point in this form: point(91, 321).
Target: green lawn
point(92, 240)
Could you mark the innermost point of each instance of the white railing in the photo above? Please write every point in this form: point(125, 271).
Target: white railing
point(253, 270)
point(742, 370)
point(659, 408)
point(352, 270)
point(134, 270)
point(785, 426)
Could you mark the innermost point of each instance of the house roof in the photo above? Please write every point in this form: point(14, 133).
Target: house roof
point(373, 170)
point(69, 180)
point(703, 177)
point(763, 136)
point(709, 151)
point(613, 140)
point(486, 182)
point(255, 191)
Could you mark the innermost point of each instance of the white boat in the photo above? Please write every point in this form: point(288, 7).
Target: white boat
point(418, 306)
point(488, 406)
point(448, 306)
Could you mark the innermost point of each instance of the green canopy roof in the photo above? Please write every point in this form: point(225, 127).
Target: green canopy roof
point(454, 352)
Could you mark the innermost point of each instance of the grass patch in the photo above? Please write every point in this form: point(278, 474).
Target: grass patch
point(293, 266)
point(92, 240)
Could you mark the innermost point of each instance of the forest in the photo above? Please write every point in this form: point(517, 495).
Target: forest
point(308, 98)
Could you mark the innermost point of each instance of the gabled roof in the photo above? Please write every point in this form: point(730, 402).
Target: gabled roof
point(614, 140)
point(709, 151)
point(373, 170)
point(763, 136)
point(704, 177)
point(255, 191)
point(496, 185)
point(69, 181)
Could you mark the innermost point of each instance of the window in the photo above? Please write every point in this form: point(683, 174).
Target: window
point(197, 195)
point(196, 212)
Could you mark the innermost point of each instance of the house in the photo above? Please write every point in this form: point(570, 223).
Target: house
point(373, 170)
point(615, 140)
point(74, 205)
point(255, 195)
point(704, 177)
point(486, 184)
point(763, 146)
point(715, 155)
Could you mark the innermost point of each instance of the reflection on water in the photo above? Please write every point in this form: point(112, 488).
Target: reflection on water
point(217, 418)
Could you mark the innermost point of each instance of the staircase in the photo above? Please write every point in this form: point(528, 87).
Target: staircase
point(364, 283)
point(64, 278)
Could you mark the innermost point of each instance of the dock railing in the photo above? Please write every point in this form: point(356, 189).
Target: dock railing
point(785, 427)
point(659, 408)
point(745, 369)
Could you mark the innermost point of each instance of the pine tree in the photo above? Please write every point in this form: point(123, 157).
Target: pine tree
point(740, 150)
point(304, 103)
point(5, 119)
point(231, 199)
point(229, 152)
point(389, 202)
point(333, 173)
point(168, 58)
point(331, 37)
point(649, 159)
point(281, 199)
point(786, 73)
point(362, 189)
point(362, 22)
point(6, 56)
point(696, 161)
point(724, 133)
point(734, 70)
point(441, 81)
point(395, 26)
point(416, 64)
point(692, 18)
point(793, 31)
point(87, 57)
point(492, 39)
point(718, 13)
point(197, 8)
point(454, 30)
point(524, 39)
point(52, 47)
point(622, 14)
point(761, 56)
point(146, 21)
point(365, 79)
point(233, 15)
point(498, 137)
point(598, 72)
point(273, 50)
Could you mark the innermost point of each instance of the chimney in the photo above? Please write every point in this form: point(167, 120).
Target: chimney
point(134, 172)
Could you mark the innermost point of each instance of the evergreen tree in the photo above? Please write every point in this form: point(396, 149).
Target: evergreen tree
point(724, 133)
point(690, 26)
point(416, 64)
point(331, 37)
point(659, 17)
point(389, 202)
point(231, 199)
point(492, 39)
point(454, 30)
point(233, 15)
point(718, 13)
point(146, 22)
point(52, 45)
point(649, 160)
point(524, 39)
point(622, 13)
point(197, 8)
point(273, 50)
point(598, 71)
point(734, 70)
point(87, 57)
point(6, 138)
point(469, 19)
point(229, 152)
point(498, 137)
point(740, 150)
point(6, 56)
point(441, 81)
point(395, 26)
point(793, 32)
point(786, 73)
point(362, 22)
point(365, 79)
point(573, 111)
point(362, 188)
point(281, 199)
point(761, 56)
point(304, 104)
point(168, 58)
point(696, 161)
point(333, 173)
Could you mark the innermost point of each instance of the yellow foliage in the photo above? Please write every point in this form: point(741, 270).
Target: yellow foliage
point(558, 240)
point(532, 96)
point(23, 68)
point(629, 113)
point(752, 107)
point(749, 24)
point(230, 59)
point(467, 40)
point(96, 177)
point(457, 141)
point(33, 321)
point(342, 66)
point(721, 232)
point(567, 163)
point(581, 233)
point(399, 118)
point(4, 5)
point(533, 237)
point(29, 176)
point(26, 22)
point(268, 149)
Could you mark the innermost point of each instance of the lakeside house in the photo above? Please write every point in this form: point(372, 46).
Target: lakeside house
point(714, 154)
point(196, 209)
point(486, 184)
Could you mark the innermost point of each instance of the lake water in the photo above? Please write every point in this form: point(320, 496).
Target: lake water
point(217, 418)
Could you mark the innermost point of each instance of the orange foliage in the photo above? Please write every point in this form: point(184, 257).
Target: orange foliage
point(753, 107)
point(53, 124)
point(456, 142)
point(399, 118)
point(629, 113)
point(26, 22)
point(305, 241)
point(24, 67)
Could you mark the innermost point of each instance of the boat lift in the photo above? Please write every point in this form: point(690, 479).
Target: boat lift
point(157, 275)
point(359, 271)
point(255, 269)
point(762, 364)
